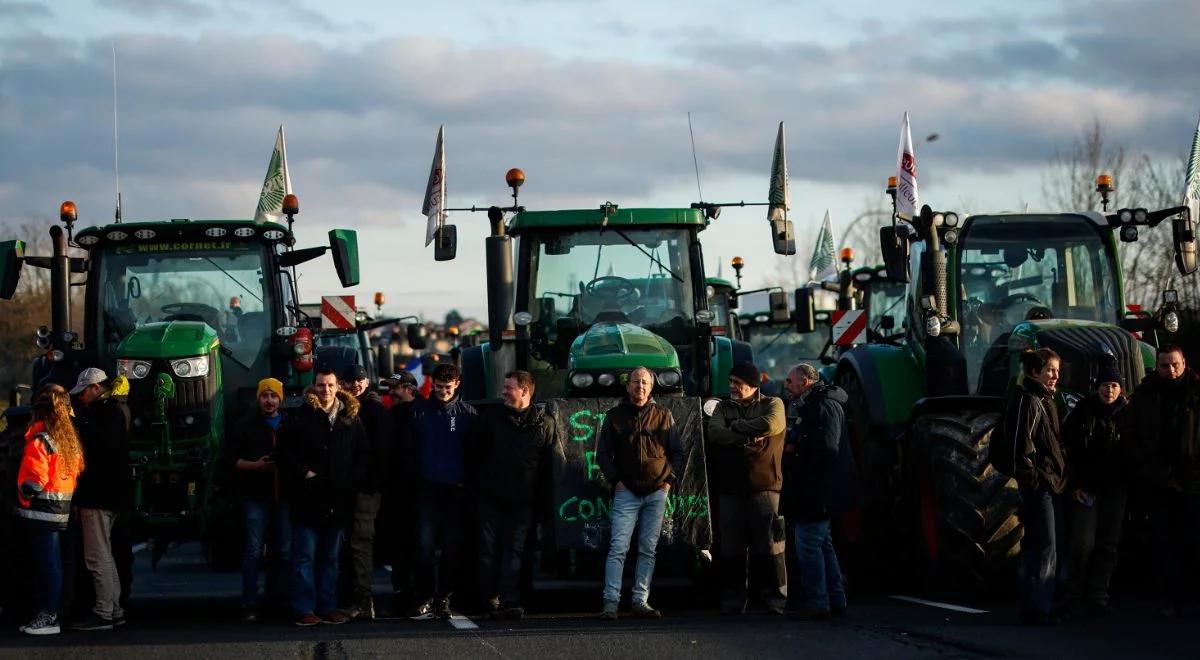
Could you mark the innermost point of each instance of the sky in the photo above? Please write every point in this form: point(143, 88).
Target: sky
point(589, 98)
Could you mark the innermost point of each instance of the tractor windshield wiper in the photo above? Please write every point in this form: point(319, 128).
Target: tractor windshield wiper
point(239, 282)
point(653, 259)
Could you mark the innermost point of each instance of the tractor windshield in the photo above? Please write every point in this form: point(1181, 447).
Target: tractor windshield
point(222, 287)
point(1016, 268)
point(640, 276)
point(885, 298)
point(778, 348)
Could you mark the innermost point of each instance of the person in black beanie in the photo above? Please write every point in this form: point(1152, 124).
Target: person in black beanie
point(745, 436)
point(1096, 489)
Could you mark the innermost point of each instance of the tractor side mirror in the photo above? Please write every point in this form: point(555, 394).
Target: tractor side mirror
point(805, 316)
point(12, 255)
point(887, 322)
point(344, 244)
point(895, 246)
point(1183, 230)
point(778, 301)
point(417, 336)
point(445, 243)
point(783, 237)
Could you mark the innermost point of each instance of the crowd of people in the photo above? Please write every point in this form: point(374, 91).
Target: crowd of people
point(347, 461)
point(1076, 475)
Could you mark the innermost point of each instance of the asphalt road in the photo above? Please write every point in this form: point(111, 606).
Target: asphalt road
point(183, 611)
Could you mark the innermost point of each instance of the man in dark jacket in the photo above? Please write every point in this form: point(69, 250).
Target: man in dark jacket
point(103, 488)
point(323, 453)
point(640, 454)
point(1164, 433)
point(439, 428)
point(745, 436)
point(1097, 487)
point(810, 460)
point(377, 421)
point(397, 521)
point(250, 452)
point(514, 444)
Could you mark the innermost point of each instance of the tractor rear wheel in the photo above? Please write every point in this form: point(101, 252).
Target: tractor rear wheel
point(966, 524)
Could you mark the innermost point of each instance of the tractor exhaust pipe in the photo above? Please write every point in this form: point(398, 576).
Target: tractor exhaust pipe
point(60, 286)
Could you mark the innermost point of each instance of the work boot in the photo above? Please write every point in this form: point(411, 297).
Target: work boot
point(644, 611)
point(609, 613)
point(362, 611)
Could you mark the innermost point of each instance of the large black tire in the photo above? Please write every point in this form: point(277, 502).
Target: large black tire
point(964, 512)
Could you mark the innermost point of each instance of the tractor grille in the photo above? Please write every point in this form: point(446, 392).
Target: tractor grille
point(1081, 348)
point(188, 411)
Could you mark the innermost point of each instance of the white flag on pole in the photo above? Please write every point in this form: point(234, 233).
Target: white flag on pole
point(824, 257)
point(277, 184)
point(779, 196)
point(434, 207)
point(908, 202)
point(1191, 189)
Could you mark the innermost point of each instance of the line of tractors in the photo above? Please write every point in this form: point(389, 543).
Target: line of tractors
point(953, 303)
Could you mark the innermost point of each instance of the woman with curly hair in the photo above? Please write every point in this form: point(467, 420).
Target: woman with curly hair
point(51, 462)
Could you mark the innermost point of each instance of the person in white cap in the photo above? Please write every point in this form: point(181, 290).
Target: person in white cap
point(103, 488)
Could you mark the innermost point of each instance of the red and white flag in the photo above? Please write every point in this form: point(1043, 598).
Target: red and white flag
point(435, 192)
point(907, 199)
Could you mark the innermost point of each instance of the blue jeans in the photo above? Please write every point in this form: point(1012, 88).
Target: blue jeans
point(47, 558)
point(263, 519)
point(628, 511)
point(1039, 550)
point(315, 591)
point(821, 581)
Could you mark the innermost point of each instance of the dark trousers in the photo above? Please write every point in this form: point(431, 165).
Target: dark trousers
point(315, 568)
point(751, 523)
point(503, 529)
point(266, 521)
point(1176, 521)
point(439, 521)
point(1039, 548)
point(1093, 535)
point(362, 548)
point(48, 568)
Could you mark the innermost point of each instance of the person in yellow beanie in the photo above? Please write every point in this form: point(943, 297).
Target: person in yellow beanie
point(250, 454)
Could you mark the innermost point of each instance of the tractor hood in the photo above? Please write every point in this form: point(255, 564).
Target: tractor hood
point(1082, 345)
point(169, 339)
point(613, 345)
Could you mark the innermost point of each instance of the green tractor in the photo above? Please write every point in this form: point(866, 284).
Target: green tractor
point(597, 293)
point(923, 404)
point(158, 309)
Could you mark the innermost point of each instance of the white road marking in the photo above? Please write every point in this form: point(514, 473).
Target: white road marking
point(138, 547)
point(944, 606)
point(461, 622)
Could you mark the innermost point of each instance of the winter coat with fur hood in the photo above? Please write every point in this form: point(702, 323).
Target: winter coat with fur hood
point(335, 449)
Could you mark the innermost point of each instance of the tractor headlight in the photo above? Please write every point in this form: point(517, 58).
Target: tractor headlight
point(190, 367)
point(933, 326)
point(1171, 322)
point(669, 378)
point(606, 379)
point(951, 219)
point(1125, 216)
point(581, 380)
point(133, 369)
point(950, 237)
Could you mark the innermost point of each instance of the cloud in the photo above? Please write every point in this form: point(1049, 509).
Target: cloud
point(190, 10)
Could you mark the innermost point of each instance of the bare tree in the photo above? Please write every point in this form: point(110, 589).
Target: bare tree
point(1070, 183)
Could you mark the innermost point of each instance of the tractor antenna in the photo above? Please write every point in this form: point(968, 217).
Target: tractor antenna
point(695, 161)
point(116, 133)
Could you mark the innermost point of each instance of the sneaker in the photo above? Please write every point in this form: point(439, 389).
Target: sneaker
point(335, 618)
point(775, 609)
point(810, 614)
point(423, 612)
point(510, 613)
point(362, 612)
point(644, 611)
point(441, 609)
point(93, 622)
point(250, 615)
point(43, 624)
point(119, 620)
point(307, 620)
point(609, 613)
